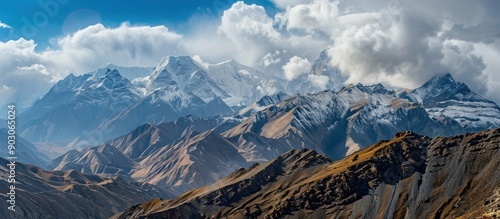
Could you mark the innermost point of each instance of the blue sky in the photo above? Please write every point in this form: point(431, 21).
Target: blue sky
point(55, 18)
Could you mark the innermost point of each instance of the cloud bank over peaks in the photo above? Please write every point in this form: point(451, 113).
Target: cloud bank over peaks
point(397, 43)
point(402, 49)
point(30, 73)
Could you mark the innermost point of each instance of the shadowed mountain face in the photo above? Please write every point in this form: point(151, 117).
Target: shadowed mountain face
point(410, 176)
point(71, 194)
point(63, 113)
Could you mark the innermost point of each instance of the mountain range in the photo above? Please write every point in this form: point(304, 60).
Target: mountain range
point(218, 135)
point(192, 151)
point(108, 103)
point(410, 176)
point(86, 110)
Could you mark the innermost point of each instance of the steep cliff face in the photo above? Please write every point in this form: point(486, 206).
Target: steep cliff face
point(410, 176)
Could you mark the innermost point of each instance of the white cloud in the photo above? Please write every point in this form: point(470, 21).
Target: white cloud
point(22, 85)
point(4, 25)
point(6, 94)
point(401, 48)
point(319, 81)
point(35, 67)
point(319, 15)
point(125, 45)
point(490, 55)
point(271, 59)
point(200, 62)
point(288, 3)
point(295, 67)
point(251, 31)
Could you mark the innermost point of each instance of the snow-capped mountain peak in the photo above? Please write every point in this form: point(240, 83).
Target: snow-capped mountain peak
point(130, 73)
point(188, 74)
point(443, 96)
point(171, 93)
point(243, 84)
point(374, 89)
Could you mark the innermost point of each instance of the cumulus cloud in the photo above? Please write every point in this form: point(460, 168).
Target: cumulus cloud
point(491, 55)
point(402, 48)
point(319, 15)
point(295, 67)
point(21, 81)
point(125, 45)
point(376, 51)
point(4, 25)
point(6, 94)
point(319, 81)
point(250, 29)
point(287, 3)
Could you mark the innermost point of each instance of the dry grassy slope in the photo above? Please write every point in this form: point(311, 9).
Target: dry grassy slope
point(146, 139)
point(180, 155)
point(104, 159)
point(192, 162)
point(70, 194)
point(411, 176)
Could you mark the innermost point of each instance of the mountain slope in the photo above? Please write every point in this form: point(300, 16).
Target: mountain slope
point(163, 105)
point(263, 103)
point(146, 139)
point(243, 84)
point(188, 74)
point(107, 104)
point(442, 96)
point(26, 152)
point(131, 73)
point(182, 154)
point(77, 98)
point(409, 176)
point(334, 123)
point(70, 194)
point(104, 159)
point(191, 162)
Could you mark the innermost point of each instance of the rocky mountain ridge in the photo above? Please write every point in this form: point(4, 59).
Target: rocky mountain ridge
point(410, 176)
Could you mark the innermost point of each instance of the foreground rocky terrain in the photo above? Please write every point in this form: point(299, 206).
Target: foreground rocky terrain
point(410, 176)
